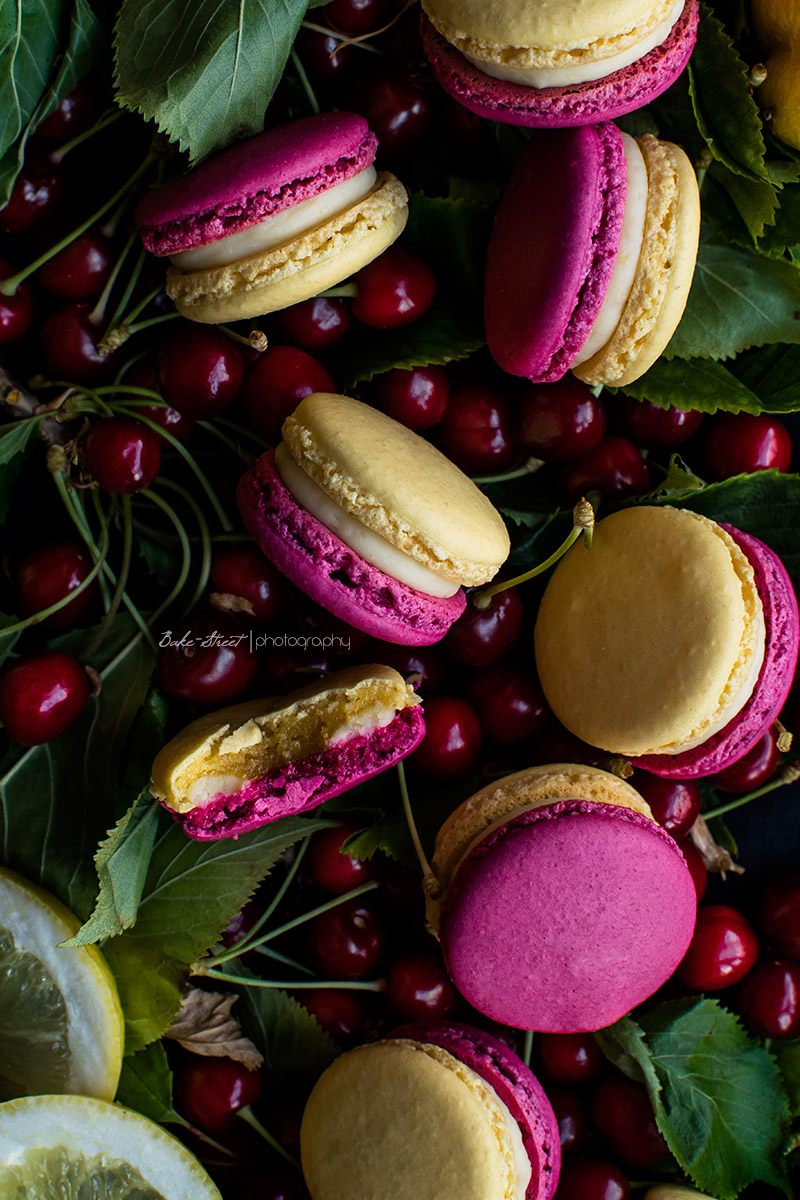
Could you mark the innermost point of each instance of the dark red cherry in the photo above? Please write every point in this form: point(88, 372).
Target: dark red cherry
point(206, 659)
point(557, 744)
point(722, 951)
point(416, 398)
point(144, 374)
point(347, 941)
point(68, 340)
point(331, 869)
point(624, 1117)
point(769, 999)
point(562, 420)
point(615, 469)
point(394, 289)
point(244, 580)
point(736, 443)
point(16, 312)
point(509, 701)
point(779, 915)
point(397, 109)
point(276, 383)
point(357, 16)
point(418, 987)
point(211, 1091)
point(121, 454)
point(41, 696)
point(200, 371)
point(421, 666)
point(48, 574)
point(477, 429)
point(39, 193)
point(697, 868)
point(452, 739)
point(399, 887)
point(568, 1057)
point(481, 636)
point(328, 62)
point(651, 427)
point(78, 271)
point(315, 324)
point(753, 769)
point(675, 803)
point(74, 114)
point(340, 1013)
point(570, 1113)
point(591, 1179)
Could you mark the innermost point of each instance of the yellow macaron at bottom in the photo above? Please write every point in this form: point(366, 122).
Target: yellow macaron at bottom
point(300, 268)
point(651, 640)
point(407, 1119)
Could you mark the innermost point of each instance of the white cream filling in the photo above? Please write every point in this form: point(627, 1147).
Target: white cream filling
point(282, 227)
point(377, 716)
point(368, 545)
point(522, 1164)
point(203, 790)
point(543, 77)
point(630, 247)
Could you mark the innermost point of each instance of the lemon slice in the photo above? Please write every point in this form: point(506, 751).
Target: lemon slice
point(61, 1027)
point(70, 1147)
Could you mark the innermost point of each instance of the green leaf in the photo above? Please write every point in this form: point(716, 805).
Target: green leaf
point(146, 1084)
point(755, 200)
point(7, 641)
point(390, 835)
point(774, 373)
point(696, 383)
point(738, 299)
point(788, 1056)
point(162, 558)
point(30, 38)
point(678, 479)
point(784, 234)
point(623, 1044)
point(727, 115)
point(204, 72)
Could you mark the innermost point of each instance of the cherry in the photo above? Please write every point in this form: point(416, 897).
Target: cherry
point(591, 1179)
point(736, 443)
point(144, 374)
point(206, 659)
point(78, 271)
point(48, 574)
point(419, 988)
point(276, 383)
point(562, 420)
point(769, 999)
point(346, 941)
point(569, 1057)
point(271, 1180)
point(394, 289)
point(399, 887)
point(557, 744)
point(615, 469)
point(481, 636)
point(416, 398)
point(327, 60)
point(452, 739)
point(211, 1091)
point(570, 1113)
point(470, 138)
point(422, 666)
point(200, 371)
point(357, 16)
point(477, 429)
point(675, 803)
point(779, 915)
point(722, 951)
point(398, 110)
point(753, 769)
point(41, 696)
point(38, 194)
point(509, 702)
point(74, 114)
point(340, 1013)
point(246, 581)
point(16, 312)
point(329, 867)
point(697, 868)
point(650, 426)
point(68, 340)
point(121, 454)
point(623, 1115)
point(315, 324)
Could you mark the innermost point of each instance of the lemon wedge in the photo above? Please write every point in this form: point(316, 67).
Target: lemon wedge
point(61, 1026)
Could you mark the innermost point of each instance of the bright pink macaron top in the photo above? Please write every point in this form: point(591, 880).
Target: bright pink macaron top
point(255, 179)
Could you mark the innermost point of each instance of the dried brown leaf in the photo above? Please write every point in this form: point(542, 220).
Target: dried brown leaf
point(204, 1025)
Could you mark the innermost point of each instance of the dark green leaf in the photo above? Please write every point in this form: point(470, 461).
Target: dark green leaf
point(390, 835)
point(30, 38)
point(678, 479)
point(163, 558)
point(755, 200)
point(788, 1056)
point(623, 1044)
point(695, 383)
point(784, 235)
point(146, 1084)
point(14, 439)
point(774, 373)
point(204, 72)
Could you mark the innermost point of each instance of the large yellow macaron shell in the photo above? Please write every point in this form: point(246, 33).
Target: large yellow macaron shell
point(645, 642)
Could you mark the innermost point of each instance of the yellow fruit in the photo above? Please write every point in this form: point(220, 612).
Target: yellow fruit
point(780, 92)
point(776, 22)
point(61, 1026)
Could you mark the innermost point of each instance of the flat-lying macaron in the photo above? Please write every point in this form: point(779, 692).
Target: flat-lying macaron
point(436, 1112)
point(559, 902)
point(525, 62)
point(673, 640)
point(371, 520)
point(274, 220)
point(238, 768)
point(592, 255)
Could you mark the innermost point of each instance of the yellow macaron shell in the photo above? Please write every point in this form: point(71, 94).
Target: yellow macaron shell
point(407, 1120)
point(399, 486)
point(652, 639)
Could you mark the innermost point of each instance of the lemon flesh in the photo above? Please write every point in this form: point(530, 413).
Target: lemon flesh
point(55, 1174)
point(61, 1026)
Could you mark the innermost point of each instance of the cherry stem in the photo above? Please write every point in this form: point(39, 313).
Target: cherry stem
point(186, 549)
point(142, 305)
point(281, 892)
point(140, 325)
point(205, 538)
point(305, 82)
point(315, 912)
point(252, 1120)
point(528, 468)
point(98, 312)
point(226, 441)
point(255, 340)
point(788, 774)
point(119, 312)
point(527, 1047)
point(345, 291)
point(785, 738)
point(343, 38)
point(108, 118)
point(583, 518)
point(268, 952)
point(248, 433)
point(350, 985)
point(124, 570)
point(412, 824)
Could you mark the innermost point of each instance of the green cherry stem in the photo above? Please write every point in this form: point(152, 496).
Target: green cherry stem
point(186, 550)
point(248, 433)
point(527, 1047)
point(583, 525)
point(412, 824)
point(232, 445)
point(252, 1120)
point(205, 538)
point(345, 291)
point(268, 952)
point(98, 312)
point(788, 774)
point(305, 82)
point(256, 339)
point(350, 985)
point(107, 119)
point(124, 570)
point(315, 912)
point(119, 312)
point(528, 468)
point(276, 899)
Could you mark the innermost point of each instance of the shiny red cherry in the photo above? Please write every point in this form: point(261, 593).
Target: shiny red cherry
point(329, 62)
point(356, 16)
point(329, 867)
point(675, 803)
point(736, 443)
point(48, 574)
point(200, 371)
point(477, 429)
point(624, 1117)
point(769, 999)
point(568, 1057)
point(452, 739)
point(591, 1179)
point(416, 398)
point(315, 324)
point(753, 769)
point(652, 427)
point(144, 374)
point(121, 454)
point(276, 383)
point(41, 696)
point(394, 289)
point(779, 915)
point(244, 580)
point(206, 659)
point(615, 469)
point(570, 1112)
point(340, 1013)
point(562, 420)
point(509, 701)
point(722, 951)
point(74, 113)
point(211, 1091)
point(39, 194)
point(397, 108)
point(481, 636)
point(421, 666)
point(418, 987)
point(69, 339)
point(80, 270)
point(16, 312)
point(347, 941)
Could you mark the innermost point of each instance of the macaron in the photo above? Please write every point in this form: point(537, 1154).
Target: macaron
point(591, 256)
point(555, 65)
point(673, 640)
point(559, 903)
point(438, 1111)
point(239, 768)
point(275, 219)
point(371, 520)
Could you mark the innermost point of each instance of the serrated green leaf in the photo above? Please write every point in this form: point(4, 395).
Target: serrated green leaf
point(693, 383)
point(149, 984)
point(15, 446)
point(774, 373)
point(204, 72)
point(390, 835)
point(30, 38)
point(145, 1084)
point(784, 234)
point(163, 558)
point(678, 479)
point(788, 1056)
point(755, 200)
point(14, 439)
point(623, 1045)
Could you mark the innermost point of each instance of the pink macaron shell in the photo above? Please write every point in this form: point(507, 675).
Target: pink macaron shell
point(298, 787)
point(553, 248)
point(253, 180)
point(516, 1086)
point(782, 630)
point(567, 916)
point(325, 568)
point(604, 99)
